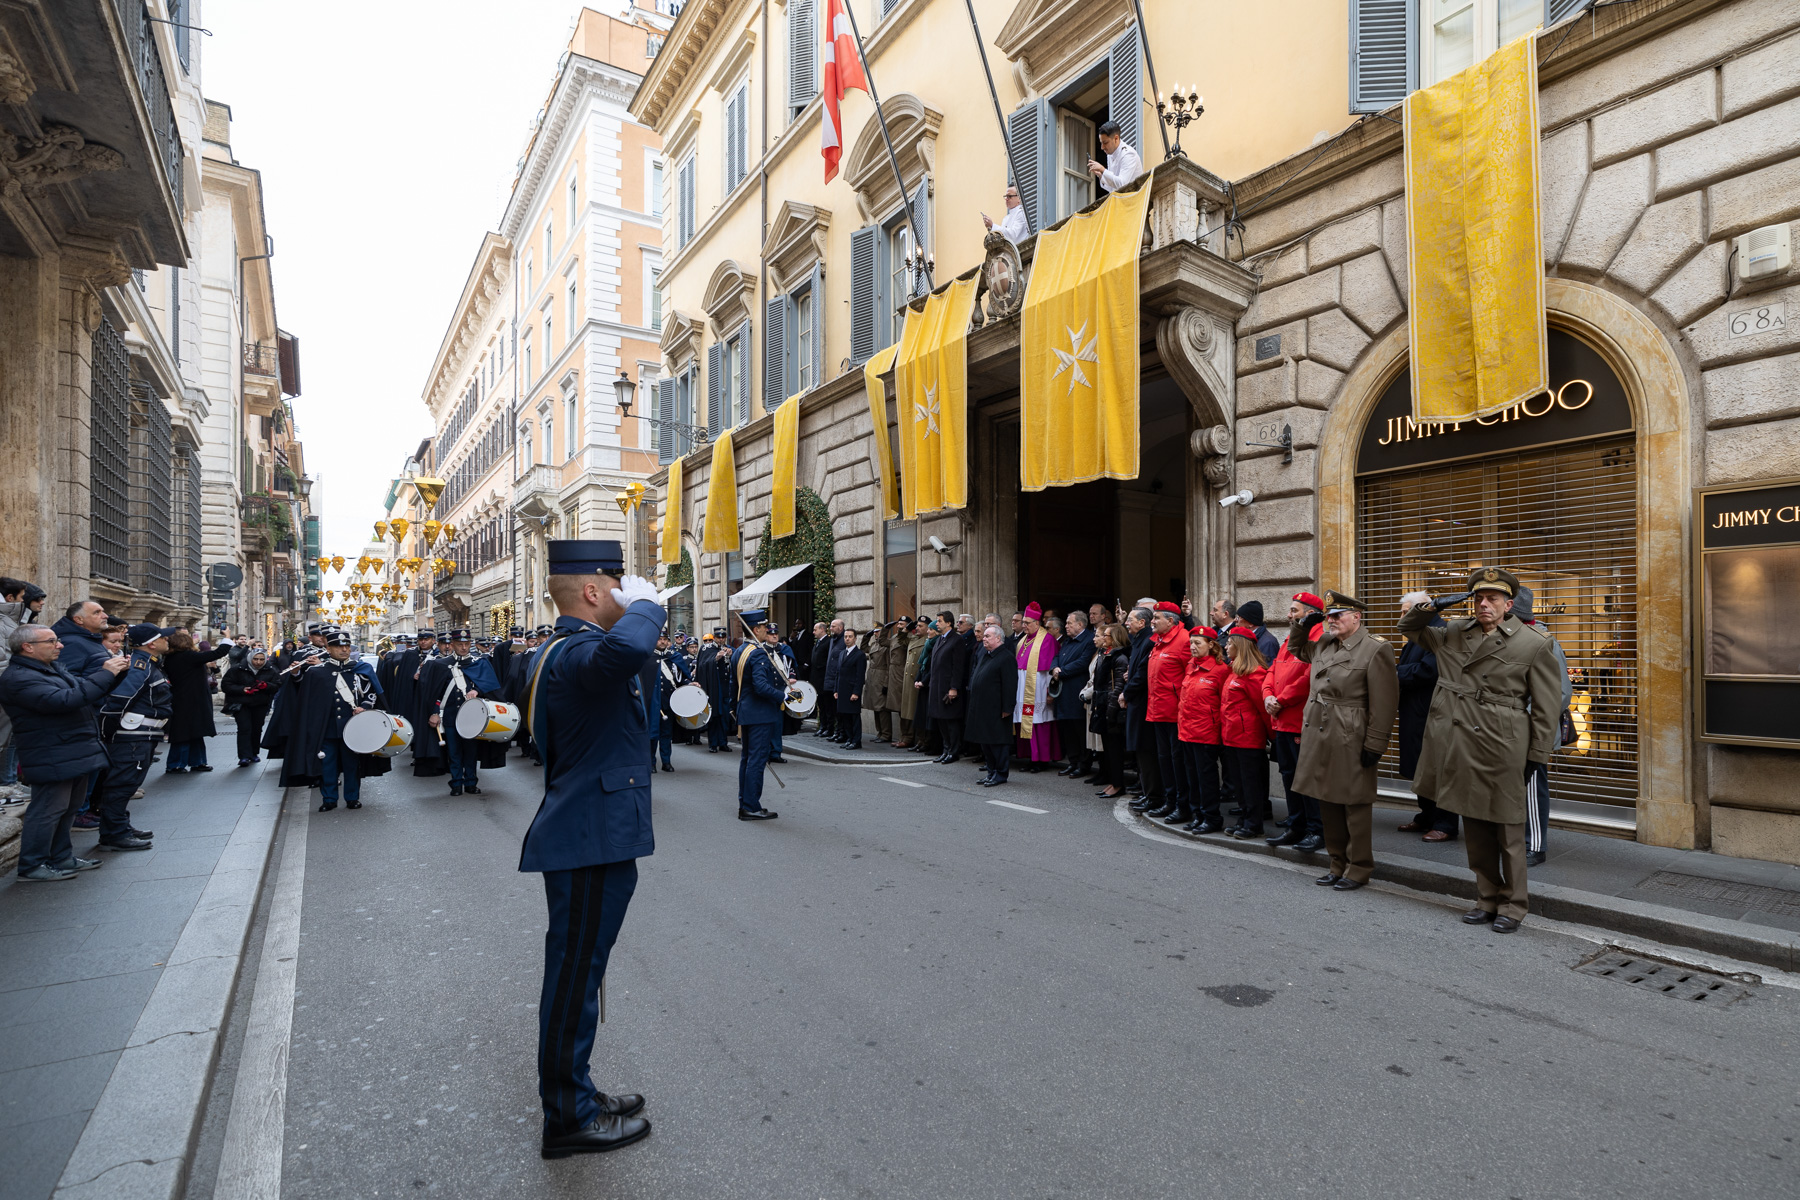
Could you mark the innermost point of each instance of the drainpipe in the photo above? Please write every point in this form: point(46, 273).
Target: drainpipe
point(243, 337)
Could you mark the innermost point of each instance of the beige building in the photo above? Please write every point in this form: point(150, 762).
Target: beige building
point(1276, 351)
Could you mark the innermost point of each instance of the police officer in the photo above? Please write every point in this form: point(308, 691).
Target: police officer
point(587, 710)
point(1353, 697)
point(132, 716)
point(762, 687)
point(1492, 725)
point(448, 682)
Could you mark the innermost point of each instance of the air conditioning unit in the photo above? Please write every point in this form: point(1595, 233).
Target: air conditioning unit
point(1765, 251)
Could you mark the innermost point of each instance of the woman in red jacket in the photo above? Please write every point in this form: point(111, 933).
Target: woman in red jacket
point(1244, 729)
point(1199, 728)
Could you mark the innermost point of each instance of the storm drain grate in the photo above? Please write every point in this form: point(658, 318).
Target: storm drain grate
point(1671, 979)
point(1755, 896)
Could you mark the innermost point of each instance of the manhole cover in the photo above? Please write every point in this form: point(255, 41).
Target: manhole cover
point(1670, 979)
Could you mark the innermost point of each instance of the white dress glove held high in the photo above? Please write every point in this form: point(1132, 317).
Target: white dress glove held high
point(633, 588)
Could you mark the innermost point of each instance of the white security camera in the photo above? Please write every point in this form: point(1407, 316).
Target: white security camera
point(937, 543)
point(1245, 497)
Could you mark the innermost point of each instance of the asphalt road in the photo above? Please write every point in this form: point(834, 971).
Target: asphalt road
point(899, 991)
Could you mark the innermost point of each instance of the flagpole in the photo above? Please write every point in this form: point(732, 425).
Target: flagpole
point(1144, 41)
point(1011, 163)
point(869, 77)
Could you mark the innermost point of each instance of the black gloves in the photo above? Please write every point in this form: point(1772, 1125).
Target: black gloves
point(1370, 757)
point(1310, 622)
point(1443, 602)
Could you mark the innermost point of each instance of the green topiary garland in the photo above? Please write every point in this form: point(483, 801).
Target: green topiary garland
point(812, 542)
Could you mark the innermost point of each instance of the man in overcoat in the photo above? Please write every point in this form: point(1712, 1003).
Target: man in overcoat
point(952, 657)
point(875, 681)
point(1352, 699)
point(1493, 722)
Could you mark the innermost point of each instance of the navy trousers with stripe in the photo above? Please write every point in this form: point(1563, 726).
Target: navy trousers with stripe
point(587, 907)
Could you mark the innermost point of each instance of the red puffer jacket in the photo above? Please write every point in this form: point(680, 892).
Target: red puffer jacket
point(1200, 701)
point(1289, 682)
point(1242, 721)
point(1169, 657)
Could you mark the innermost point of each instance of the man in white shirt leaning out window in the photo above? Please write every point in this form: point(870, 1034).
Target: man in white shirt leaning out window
point(1012, 225)
point(1122, 162)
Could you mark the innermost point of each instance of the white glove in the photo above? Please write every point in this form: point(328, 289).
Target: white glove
point(633, 588)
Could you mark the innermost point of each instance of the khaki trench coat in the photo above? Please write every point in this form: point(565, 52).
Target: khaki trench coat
point(1480, 731)
point(909, 675)
point(1354, 699)
point(898, 643)
point(874, 697)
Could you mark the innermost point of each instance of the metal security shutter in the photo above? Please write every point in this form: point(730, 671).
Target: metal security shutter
point(715, 417)
point(110, 457)
point(803, 55)
point(1556, 10)
point(862, 293)
point(1565, 521)
point(152, 502)
point(1034, 149)
point(1125, 89)
point(777, 379)
point(665, 416)
point(1384, 53)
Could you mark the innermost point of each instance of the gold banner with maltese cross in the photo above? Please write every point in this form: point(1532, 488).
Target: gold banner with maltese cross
point(1078, 348)
point(931, 380)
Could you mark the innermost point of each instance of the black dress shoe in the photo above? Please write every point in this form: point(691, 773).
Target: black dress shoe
point(1347, 885)
point(1244, 833)
point(201, 767)
point(1311, 844)
point(1291, 837)
point(1160, 811)
point(761, 814)
point(353, 804)
point(1236, 810)
point(667, 767)
point(626, 1105)
point(605, 1132)
point(1534, 858)
point(1327, 879)
point(779, 759)
point(1505, 924)
point(1182, 817)
point(141, 833)
point(1142, 805)
point(1205, 827)
point(472, 790)
point(329, 806)
point(126, 842)
point(455, 790)
point(988, 781)
point(1477, 916)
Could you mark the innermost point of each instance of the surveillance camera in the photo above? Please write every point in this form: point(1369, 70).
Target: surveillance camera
point(1245, 497)
point(937, 543)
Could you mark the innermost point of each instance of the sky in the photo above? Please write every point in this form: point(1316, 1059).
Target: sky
point(386, 133)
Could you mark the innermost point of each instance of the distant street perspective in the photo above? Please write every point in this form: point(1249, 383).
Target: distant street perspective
point(899, 598)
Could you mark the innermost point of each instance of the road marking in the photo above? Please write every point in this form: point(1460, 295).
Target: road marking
point(250, 1163)
point(889, 766)
point(1020, 807)
point(901, 782)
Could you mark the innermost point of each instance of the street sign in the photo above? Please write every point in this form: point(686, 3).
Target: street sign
point(224, 576)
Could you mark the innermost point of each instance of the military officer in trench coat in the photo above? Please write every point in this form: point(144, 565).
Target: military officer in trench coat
point(1482, 742)
point(1350, 711)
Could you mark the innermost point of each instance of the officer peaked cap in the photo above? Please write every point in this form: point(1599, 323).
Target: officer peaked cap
point(586, 556)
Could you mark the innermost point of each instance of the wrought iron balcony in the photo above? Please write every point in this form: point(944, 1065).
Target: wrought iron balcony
point(262, 359)
point(146, 62)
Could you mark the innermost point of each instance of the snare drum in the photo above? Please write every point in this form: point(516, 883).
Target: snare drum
point(487, 721)
point(691, 707)
point(375, 732)
point(807, 701)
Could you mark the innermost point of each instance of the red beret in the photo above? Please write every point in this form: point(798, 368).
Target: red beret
point(1169, 606)
point(1310, 599)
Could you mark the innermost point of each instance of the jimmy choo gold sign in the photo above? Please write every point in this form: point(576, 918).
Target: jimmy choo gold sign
point(1571, 396)
point(1787, 514)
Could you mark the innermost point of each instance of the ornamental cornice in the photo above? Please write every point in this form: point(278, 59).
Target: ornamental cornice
point(471, 323)
point(681, 50)
point(580, 77)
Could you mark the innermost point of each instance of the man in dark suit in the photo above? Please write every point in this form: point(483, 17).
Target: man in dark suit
point(952, 658)
point(588, 716)
point(852, 675)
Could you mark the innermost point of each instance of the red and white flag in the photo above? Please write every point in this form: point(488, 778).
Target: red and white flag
point(843, 71)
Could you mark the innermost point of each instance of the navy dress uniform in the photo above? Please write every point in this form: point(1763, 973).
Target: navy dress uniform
point(585, 701)
point(132, 717)
point(448, 682)
point(761, 690)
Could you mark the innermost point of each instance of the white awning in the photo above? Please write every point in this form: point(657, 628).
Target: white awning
point(760, 588)
point(663, 597)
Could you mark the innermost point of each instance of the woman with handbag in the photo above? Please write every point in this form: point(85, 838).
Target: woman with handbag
point(249, 691)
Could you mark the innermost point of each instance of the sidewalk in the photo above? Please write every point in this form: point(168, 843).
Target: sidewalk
point(89, 965)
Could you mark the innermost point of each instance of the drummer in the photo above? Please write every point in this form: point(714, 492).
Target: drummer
point(762, 689)
point(674, 672)
point(449, 682)
point(327, 699)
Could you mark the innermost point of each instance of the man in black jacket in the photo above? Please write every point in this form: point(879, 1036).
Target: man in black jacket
point(1418, 672)
point(817, 658)
point(952, 660)
point(1138, 740)
point(830, 722)
point(59, 745)
point(852, 676)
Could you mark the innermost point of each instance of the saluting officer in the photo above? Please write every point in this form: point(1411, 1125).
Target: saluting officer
point(1350, 708)
point(1482, 744)
point(761, 689)
point(585, 702)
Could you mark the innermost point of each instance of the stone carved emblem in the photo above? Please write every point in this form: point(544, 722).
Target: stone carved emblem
point(1002, 280)
point(62, 154)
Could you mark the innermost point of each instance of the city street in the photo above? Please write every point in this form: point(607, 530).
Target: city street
point(905, 988)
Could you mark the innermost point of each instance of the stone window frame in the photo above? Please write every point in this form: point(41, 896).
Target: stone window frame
point(913, 125)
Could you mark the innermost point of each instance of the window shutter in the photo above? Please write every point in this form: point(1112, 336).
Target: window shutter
point(888, 6)
point(746, 346)
point(1125, 90)
point(775, 353)
point(715, 361)
point(1034, 150)
point(803, 54)
point(862, 293)
point(685, 202)
point(1384, 53)
point(1556, 10)
point(665, 413)
point(818, 325)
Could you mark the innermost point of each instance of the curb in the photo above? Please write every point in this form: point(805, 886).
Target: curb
point(138, 1140)
point(1557, 902)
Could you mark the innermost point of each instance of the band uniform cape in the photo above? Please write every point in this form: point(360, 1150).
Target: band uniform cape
point(320, 712)
point(437, 687)
point(427, 747)
point(1354, 697)
point(586, 707)
point(1034, 710)
point(1478, 734)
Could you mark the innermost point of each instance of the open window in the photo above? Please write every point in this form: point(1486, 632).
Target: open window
point(1056, 135)
point(1397, 46)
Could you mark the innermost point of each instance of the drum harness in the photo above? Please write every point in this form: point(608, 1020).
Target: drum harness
point(344, 694)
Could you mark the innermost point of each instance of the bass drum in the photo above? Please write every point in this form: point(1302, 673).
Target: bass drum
point(807, 701)
point(691, 707)
point(487, 721)
point(380, 733)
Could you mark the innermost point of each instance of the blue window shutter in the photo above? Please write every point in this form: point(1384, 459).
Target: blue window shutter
point(746, 346)
point(665, 413)
point(818, 326)
point(1034, 149)
point(1125, 89)
point(1384, 53)
point(714, 366)
point(775, 353)
point(803, 54)
point(862, 293)
point(684, 204)
point(1556, 10)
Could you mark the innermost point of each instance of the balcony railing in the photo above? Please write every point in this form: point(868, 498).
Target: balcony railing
point(262, 359)
point(147, 64)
